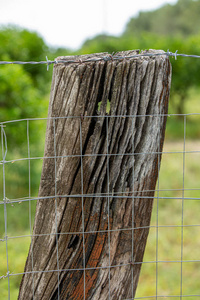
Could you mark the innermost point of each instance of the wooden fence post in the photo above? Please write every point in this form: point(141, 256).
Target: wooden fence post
point(102, 154)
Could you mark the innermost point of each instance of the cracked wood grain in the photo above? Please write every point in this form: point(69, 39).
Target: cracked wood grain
point(137, 90)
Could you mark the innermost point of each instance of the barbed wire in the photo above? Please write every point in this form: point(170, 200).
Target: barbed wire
point(108, 57)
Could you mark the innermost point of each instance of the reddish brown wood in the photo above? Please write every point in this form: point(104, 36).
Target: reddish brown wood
point(136, 87)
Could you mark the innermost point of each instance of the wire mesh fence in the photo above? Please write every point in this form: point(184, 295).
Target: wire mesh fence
point(172, 260)
point(170, 268)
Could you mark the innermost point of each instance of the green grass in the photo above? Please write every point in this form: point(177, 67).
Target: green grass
point(169, 237)
point(17, 253)
point(175, 124)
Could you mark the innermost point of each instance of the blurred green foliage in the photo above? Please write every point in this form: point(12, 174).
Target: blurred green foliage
point(181, 19)
point(24, 89)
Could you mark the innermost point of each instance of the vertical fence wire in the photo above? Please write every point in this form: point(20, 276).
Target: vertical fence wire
point(82, 209)
point(157, 202)
point(108, 203)
point(4, 153)
point(29, 195)
point(182, 209)
point(133, 203)
point(56, 205)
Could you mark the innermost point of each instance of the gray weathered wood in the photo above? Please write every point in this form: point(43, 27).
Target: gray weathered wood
point(133, 86)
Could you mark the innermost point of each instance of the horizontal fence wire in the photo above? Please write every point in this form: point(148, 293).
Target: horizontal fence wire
point(179, 194)
point(109, 57)
point(102, 267)
point(100, 116)
point(101, 231)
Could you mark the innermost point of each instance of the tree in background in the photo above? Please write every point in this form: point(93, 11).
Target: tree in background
point(24, 89)
point(181, 19)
